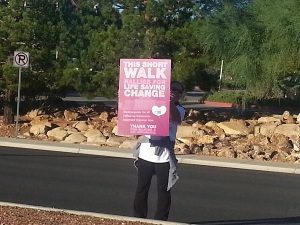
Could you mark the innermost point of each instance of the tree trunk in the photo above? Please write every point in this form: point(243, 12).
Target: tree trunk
point(9, 101)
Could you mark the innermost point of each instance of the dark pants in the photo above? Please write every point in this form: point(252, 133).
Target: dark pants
point(145, 172)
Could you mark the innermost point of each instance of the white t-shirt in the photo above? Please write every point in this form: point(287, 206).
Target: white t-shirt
point(148, 153)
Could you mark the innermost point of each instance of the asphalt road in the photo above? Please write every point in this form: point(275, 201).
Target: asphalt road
point(203, 195)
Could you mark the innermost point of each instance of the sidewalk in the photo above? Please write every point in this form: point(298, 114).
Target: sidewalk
point(127, 153)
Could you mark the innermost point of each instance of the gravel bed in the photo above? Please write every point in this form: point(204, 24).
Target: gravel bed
point(10, 215)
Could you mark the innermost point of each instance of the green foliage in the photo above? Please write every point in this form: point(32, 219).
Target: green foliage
point(30, 28)
point(258, 42)
point(235, 97)
point(244, 99)
point(152, 29)
point(79, 46)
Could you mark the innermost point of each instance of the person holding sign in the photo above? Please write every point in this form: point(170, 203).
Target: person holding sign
point(155, 156)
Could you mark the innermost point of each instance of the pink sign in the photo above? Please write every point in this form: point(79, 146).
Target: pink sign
point(144, 97)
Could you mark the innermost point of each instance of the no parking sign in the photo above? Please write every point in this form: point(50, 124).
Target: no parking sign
point(21, 59)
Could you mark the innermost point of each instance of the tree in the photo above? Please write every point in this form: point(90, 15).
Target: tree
point(12, 27)
point(78, 44)
point(148, 29)
point(28, 26)
point(93, 20)
point(258, 42)
point(280, 49)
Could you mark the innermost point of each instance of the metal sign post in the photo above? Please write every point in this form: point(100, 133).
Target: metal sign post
point(221, 74)
point(21, 59)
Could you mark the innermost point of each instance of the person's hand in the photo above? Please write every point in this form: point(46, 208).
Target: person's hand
point(173, 98)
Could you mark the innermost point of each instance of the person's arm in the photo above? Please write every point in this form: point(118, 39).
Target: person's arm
point(174, 113)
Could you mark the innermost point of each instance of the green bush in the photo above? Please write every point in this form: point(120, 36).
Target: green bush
point(282, 102)
point(229, 96)
point(243, 99)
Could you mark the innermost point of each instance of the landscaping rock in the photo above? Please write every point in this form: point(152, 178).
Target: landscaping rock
point(268, 138)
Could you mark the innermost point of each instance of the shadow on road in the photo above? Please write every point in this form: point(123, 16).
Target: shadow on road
point(273, 221)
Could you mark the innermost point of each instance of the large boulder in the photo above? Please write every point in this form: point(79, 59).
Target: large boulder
point(75, 138)
point(288, 129)
point(234, 128)
point(57, 134)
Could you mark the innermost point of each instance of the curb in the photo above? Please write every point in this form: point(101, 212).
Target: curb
point(219, 104)
point(99, 215)
point(245, 165)
point(65, 147)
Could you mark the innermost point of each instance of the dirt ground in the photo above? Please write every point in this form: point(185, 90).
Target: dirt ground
point(21, 216)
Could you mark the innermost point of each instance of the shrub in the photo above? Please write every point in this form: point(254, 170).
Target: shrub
point(230, 96)
point(243, 99)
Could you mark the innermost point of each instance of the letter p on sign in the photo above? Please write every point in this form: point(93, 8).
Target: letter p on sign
point(21, 59)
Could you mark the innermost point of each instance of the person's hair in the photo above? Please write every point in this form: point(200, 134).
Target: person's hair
point(178, 82)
